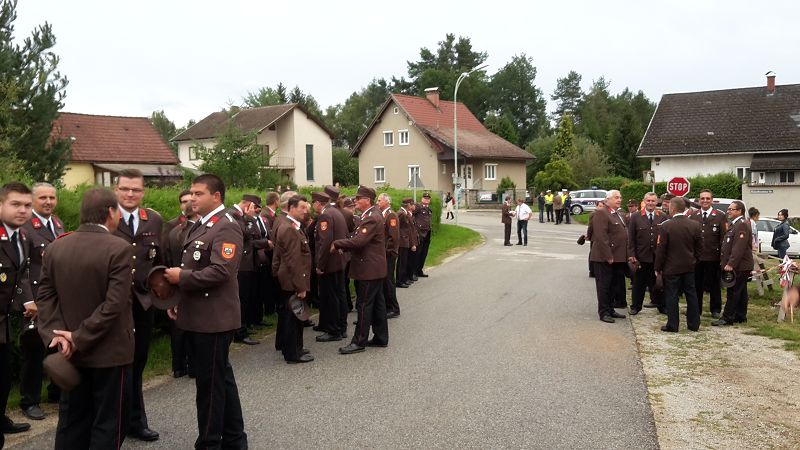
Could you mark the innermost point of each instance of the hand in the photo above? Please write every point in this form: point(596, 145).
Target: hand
point(269, 243)
point(728, 268)
point(610, 261)
point(632, 259)
point(413, 248)
point(301, 294)
point(173, 312)
point(333, 248)
point(173, 275)
point(64, 342)
point(31, 311)
point(319, 272)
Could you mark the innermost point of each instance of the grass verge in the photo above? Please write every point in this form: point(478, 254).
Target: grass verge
point(450, 239)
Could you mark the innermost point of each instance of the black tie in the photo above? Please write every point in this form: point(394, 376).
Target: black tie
point(261, 227)
point(194, 227)
point(650, 218)
point(15, 243)
point(130, 225)
point(50, 227)
point(705, 215)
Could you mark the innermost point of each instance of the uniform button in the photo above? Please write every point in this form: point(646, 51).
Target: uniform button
point(134, 256)
point(184, 251)
point(181, 264)
point(206, 294)
point(134, 244)
point(133, 270)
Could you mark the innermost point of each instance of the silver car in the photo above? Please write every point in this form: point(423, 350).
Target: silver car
point(586, 200)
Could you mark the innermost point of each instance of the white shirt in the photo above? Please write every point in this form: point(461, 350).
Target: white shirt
point(296, 222)
point(208, 216)
point(127, 215)
point(523, 212)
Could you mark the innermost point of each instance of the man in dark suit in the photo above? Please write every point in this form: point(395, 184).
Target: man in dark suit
point(505, 218)
point(209, 312)
point(677, 252)
point(367, 266)
point(141, 228)
point(642, 237)
point(391, 234)
point(609, 255)
point(713, 227)
point(330, 226)
point(244, 214)
point(408, 243)
point(85, 311)
point(423, 216)
point(268, 289)
point(15, 287)
point(42, 229)
point(736, 257)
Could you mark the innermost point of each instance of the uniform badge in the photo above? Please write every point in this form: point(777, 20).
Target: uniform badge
point(714, 229)
point(228, 250)
point(392, 222)
point(152, 253)
point(196, 255)
point(323, 226)
point(728, 239)
point(741, 235)
point(3, 277)
point(36, 223)
point(142, 214)
point(364, 230)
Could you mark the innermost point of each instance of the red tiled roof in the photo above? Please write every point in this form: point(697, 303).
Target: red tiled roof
point(425, 114)
point(113, 139)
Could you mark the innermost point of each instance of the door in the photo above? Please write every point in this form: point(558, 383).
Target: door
point(466, 173)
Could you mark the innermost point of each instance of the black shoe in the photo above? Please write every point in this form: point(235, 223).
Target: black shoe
point(617, 315)
point(634, 311)
point(308, 323)
point(9, 427)
point(318, 328)
point(519, 243)
point(607, 319)
point(403, 285)
point(178, 374)
point(668, 329)
point(301, 359)
point(721, 322)
point(422, 275)
point(525, 244)
point(508, 244)
point(414, 278)
point(650, 305)
point(715, 315)
point(350, 349)
point(392, 314)
point(662, 311)
point(344, 335)
point(328, 338)
point(304, 351)
point(144, 434)
point(372, 343)
point(33, 412)
point(249, 341)
point(741, 320)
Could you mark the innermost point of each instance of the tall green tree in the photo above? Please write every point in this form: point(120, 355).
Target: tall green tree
point(237, 159)
point(565, 139)
point(595, 114)
point(542, 149)
point(345, 167)
point(514, 94)
point(165, 127)
point(502, 126)
point(623, 144)
point(350, 120)
point(557, 175)
point(267, 96)
point(589, 161)
point(32, 92)
point(567, 95)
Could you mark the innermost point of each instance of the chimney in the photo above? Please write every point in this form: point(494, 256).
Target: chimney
point(432, 94)
point(770, 82)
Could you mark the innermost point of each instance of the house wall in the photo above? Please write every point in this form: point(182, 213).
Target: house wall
point(397, 158)
point(306, 131)
point(183, 152)
point(689, 166)
point(505, 168)
point(769, 199)
point(77, 174)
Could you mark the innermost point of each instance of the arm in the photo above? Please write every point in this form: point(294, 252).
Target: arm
point(324, 240)
point(740, 245)
point(220, 268)
point(600, 240)
point(47, 302)
point(361, 236)
point(661, 250)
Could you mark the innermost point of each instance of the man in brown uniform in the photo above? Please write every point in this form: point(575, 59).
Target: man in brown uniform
point(713, 226)
point(209, 312)
point(642, 237)
point(141, 228)
point(291, 263)
point(85, 311)
point(408, 242)
point(269, 291)
point(42, 229)
point(391, 234)
point(330, 226)
point(505, 219)
point(423, 217)
point(609, 254)
point(368, 267)
point(243, 213)
point(677, 252)
point(736, 257)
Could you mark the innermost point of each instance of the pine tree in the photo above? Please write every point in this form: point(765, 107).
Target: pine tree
point(565, 139)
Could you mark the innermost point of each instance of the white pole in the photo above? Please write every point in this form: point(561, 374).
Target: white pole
point(455, 131)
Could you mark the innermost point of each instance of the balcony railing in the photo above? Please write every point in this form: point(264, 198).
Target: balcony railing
point(280, 162)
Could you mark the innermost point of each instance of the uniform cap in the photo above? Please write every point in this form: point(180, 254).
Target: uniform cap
point(367, 192)
point(252, 198)
point(426, 195)
point(299, 307)
point(408, 201)
point(320, 197)
point(727, 279)
point(348, 202)
point(333, 192)
point(61, 371)
point(163, 294)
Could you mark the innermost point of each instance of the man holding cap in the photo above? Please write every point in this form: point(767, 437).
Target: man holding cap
point(736, 257)
point(244, 213)
point(330, 226)
point(368, 266)
point(408, 242)
point(423, 217)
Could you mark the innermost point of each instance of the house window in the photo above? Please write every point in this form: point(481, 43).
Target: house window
point(388, 138)
point(193, 153)
point(396, 110)
point(743, 173)
point(786, 177)
point(380, 174)
point(265, 149)
point(444, 169)
point(309, 162)
point(490, 171)
point(402, 136)
point(413, 173)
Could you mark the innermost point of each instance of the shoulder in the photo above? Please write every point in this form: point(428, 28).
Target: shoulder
point(151, 214)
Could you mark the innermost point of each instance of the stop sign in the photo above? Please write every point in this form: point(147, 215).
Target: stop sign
point(678, 186)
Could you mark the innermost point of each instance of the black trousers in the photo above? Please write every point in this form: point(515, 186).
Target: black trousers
point(411, 266)
point(522, 232)
point(737, 299)
point(219, 411)
point(609, 280)
point(506, 233)
point(247, 295)
point(549, 209)
point(290, 334)
point(559, 215)
point(182, 359)
point(267, 292)
point(422, 252)
point(566, 213)
point(389, 289)
point(348, 294)
point(707, 274)
point(331, 296)
point(644, 280)
point(371, 309)
point(31, 372)
point(541, 214)
point(5, 375)
point(143, 326)
point(674, 285)
point(402, 265)
point(279, 302)
point(95, 413)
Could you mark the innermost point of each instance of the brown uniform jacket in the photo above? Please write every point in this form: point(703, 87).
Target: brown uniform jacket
point(643, 235)
point(737, 250)
point(408, 237)
point(172, 244)
point(250, 233)
point(367, 246)
point(505, 213)
point(609, 237)
point(15, 286)
point(678, 246)
point(40, 237)
point(423, 217)
point(86, 289)
point(291, 260)
point(147, 250)
point(391, 232)
point(712, 232)
point(331, 226)
point(208, 284)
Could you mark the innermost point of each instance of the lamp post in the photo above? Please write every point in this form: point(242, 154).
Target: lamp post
point(455, 131)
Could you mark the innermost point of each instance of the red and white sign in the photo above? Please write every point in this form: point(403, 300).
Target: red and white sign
point(678, 186)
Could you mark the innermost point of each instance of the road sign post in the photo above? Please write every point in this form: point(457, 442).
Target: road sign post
point(678, 186)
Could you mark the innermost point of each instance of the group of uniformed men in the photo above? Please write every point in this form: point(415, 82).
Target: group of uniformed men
point(684, 251)
point(86, 293)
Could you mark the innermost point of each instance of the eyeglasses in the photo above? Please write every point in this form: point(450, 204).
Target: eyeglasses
point(131, 191)
point(733, 209)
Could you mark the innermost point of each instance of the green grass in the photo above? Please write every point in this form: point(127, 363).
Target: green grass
point(581, 218)
point(762, 317)
point(448, 240)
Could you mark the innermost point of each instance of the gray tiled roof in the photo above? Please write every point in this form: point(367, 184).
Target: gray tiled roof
point(770, 162)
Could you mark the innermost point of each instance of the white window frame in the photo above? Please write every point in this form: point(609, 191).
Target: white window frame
point(745, 171)
point(396, 110)
point(400, 134)
point(193, 153)
point(414, 166)
point(375, 174)
point(494, 171)
point(390, 134)
point(793, 176)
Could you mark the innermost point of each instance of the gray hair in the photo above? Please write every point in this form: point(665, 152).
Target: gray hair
point(385, 196)
point(285, 198)
point(612, 193)
point(649, 194)
point(41, 184)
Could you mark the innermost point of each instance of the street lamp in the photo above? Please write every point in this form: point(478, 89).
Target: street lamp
point(455, 130)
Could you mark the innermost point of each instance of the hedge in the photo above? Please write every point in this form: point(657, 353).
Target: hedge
point(722, 185)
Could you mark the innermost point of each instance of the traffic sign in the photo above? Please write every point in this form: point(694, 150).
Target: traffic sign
point(678, 186)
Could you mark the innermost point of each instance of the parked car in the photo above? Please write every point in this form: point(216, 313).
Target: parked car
point(586, 200)
point(765, 229)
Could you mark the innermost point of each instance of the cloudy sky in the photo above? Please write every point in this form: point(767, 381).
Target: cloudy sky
point(190, 58)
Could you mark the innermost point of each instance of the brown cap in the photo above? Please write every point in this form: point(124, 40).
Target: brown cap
point(61, 371)
point(333, 192)
point(632, 203)
point(408, 201)
point(252, 198)
point(426, 195)
point(348, 202)
point(320, 197)
point(163, 294)
point(367, 192)
point(299, 307)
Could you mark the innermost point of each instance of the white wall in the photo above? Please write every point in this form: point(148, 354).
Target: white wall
point(306, 131)
point(689, 166)
point(183, 152)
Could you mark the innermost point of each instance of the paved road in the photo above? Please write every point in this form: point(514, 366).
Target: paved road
point(499, 348)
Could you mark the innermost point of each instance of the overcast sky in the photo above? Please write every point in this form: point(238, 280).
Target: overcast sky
point(191, 58)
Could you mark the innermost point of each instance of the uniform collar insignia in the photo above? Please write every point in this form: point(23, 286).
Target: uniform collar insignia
point(55, 221)
point(3, 234)
point(36, 223)
point(182, 219)
point(142, 214)
point(212, 221)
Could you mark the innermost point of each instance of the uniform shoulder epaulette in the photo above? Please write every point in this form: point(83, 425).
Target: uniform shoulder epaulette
point(229, 217)
point(65, 234)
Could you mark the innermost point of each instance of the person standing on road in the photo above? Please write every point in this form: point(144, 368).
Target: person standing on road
point(642, 239)
point(505, 218)
point(540, 205)
point(736, 257)
point(523, 214)
point(677, 252)
point(408, 243)
point(392, 238)
point(609, 254)
point(423, 217)
point(713, 226)
point(558, 205)
point(548, 205)
point(780, 237)
point(330, 269)
point(244, 212)
point(567, 207)
point(448, 206)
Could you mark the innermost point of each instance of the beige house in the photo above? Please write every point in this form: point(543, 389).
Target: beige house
point(414, 136)
point(294, 141)
point(104, 145)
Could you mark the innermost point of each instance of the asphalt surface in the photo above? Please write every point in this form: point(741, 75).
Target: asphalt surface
point(499, 348)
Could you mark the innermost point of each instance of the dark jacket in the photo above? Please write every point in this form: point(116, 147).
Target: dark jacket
point(331, 226)
point(737, 250)
point(505, 213)
point(391, 229)
point(780, 236)
point(15, 286)
point(291, 260)
point(712, 232)
point(678, 246)
point(367, 246)
point(147, 250)
point(643, 235)
point(407, 236)
point(40, 237)
point(609, 236)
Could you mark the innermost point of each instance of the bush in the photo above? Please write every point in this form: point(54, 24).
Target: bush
point(722, 185)
point(609, 183)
